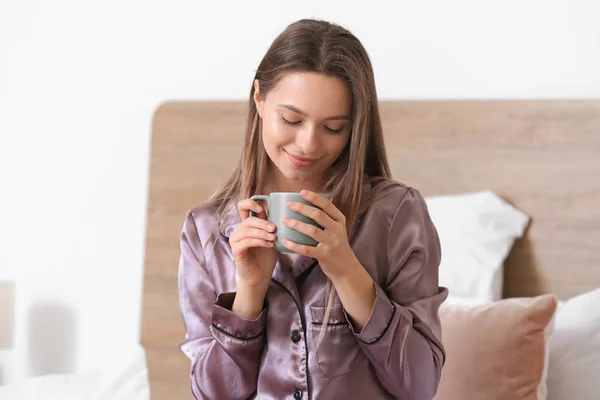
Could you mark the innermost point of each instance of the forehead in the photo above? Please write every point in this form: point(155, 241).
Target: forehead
point(316, 94)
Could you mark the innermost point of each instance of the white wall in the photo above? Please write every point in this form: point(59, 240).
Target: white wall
point(79, 82)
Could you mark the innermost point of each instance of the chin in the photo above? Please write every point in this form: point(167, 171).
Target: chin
point(293, 173)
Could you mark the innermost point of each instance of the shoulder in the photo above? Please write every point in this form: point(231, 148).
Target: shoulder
point(205, 212)
point(205, 218)
point(397, 224)
point(402, 211)
point(396, 198)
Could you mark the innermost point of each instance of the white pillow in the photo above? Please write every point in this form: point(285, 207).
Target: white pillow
point(477, 231)
point(574, 370)
point(125, 378)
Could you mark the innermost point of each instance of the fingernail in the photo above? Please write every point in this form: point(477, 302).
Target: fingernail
point(271, 226)
point(304, 193)
point(258, 208)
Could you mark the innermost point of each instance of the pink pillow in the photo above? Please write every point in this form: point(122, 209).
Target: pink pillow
point(497, 350)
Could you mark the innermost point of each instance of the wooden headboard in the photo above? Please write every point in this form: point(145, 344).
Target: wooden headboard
point(542, 156)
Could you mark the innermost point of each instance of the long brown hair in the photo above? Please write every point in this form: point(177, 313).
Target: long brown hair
point(321, 47)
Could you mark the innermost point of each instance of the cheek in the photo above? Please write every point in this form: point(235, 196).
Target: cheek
point(338, 146)
point(274, 133)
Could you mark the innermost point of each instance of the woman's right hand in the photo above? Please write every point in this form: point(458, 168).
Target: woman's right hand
point(252, 246)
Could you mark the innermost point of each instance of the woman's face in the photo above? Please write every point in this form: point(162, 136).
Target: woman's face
point(305, 127)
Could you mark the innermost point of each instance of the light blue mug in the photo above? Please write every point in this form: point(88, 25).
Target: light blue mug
point(278, 210)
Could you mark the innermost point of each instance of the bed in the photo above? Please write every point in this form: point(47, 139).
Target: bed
point(124, 376)
point(541, 157)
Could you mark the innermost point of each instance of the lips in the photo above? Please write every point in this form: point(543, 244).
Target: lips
point(301, 161)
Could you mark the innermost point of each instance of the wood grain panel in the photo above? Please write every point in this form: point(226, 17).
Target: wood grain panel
point(542, 156)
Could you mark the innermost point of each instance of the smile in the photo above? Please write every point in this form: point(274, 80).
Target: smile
point(301, 161)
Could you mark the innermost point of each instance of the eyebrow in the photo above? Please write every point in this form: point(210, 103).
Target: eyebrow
point(297, 110)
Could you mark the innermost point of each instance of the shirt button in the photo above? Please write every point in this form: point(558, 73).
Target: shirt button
point(295, 336)
point(298, 394)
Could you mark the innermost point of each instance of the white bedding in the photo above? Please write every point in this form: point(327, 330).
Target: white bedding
point(124, 379)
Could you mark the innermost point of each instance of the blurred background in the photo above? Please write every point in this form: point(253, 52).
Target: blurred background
point(80, 81)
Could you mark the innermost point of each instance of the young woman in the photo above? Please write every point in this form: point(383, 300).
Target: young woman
point(355, 317)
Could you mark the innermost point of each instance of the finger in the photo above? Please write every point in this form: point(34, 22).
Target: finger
point(324, 204)
point(309, 230)
point(249, 243)
point(254, 227)
point(313, 213)
point(258, 233)
point(244, 207)
point(256, 222)
point(301, 249)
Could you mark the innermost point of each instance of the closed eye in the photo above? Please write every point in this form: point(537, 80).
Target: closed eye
point(334, 130)
point(287, 121)
point(290, 122)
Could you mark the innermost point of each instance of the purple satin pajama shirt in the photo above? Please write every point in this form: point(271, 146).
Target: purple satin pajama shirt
point(397, 354)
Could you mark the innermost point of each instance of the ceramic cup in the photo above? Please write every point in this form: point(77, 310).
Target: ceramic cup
point(278, 210)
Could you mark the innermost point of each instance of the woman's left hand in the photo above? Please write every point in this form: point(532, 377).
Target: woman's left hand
point(333, 250)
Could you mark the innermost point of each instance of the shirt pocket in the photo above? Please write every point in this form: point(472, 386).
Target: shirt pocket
point(339, 351)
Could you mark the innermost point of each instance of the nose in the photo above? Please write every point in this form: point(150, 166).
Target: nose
point(307, 140)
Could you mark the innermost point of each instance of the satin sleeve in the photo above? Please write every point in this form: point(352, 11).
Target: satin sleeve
point(224, 349)
point(402, 337)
